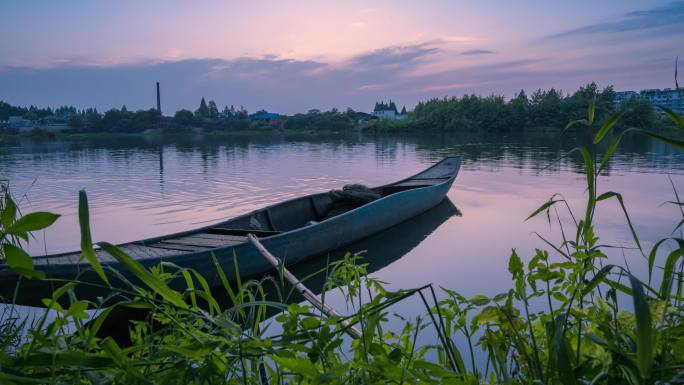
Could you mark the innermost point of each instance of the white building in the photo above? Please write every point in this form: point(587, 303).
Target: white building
point(672, 99)
point(388, 111)
point(19, 122)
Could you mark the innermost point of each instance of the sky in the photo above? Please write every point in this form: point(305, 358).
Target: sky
point(292, 56)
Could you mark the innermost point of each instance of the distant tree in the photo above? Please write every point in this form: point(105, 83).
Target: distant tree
point(228, 113)
point(522, 96)
point(116, 120)
point(75, 122)
point(184, 117)
point(403, 110)
point(144, 119)
point(30, 115)
point(92, 119)
point(316, 120)
point(7, 110)
point(65, 111)
point(203, 110)
point(213, 110)
point(241, 114)
point(637, 112)
point(351, 114)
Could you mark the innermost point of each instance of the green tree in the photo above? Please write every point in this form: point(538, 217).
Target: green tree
point(30, 115)
point(213, 110)
point(92, 119)
point(184, 117)
point(75, 122)
point(637, 113)
point(203, 110)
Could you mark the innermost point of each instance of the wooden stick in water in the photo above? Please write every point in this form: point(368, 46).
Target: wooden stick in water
point(306, 293)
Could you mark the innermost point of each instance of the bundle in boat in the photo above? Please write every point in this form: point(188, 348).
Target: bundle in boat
point(350, 197)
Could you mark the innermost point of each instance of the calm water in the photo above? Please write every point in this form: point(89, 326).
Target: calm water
point(144, 187)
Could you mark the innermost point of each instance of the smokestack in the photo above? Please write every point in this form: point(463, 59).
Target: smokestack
point(158, 99)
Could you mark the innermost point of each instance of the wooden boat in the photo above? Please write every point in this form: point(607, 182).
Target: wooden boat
point(293, 230)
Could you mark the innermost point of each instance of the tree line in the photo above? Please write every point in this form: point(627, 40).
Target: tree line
point(207, 116)
point(544, 108)
point(32, 112)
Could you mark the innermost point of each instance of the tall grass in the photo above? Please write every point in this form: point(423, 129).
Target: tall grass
point(581, 335)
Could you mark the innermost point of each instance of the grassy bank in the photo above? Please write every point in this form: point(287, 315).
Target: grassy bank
point(578, 332)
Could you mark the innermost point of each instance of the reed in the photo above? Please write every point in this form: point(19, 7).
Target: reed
point(561, 322)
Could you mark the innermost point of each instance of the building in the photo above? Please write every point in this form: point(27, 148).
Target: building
point(49, 123)
point(19, 123)
point(672, 99)
point(267, 117)
point(624, 96)
point(363, 118)
point(388, 111)
point(53, 123)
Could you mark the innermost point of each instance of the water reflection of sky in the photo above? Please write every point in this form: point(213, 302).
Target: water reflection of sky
point(140, 188)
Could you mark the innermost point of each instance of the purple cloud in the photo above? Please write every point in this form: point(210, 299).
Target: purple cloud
point(475, 52)
point(668, 16)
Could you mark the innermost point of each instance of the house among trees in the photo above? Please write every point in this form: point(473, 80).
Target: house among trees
point(384, 110)
point(265, 116)
point(670, 98)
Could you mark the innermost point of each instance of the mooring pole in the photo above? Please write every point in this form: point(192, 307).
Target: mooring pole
point(303, 290)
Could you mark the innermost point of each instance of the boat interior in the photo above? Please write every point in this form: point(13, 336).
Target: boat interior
point(272, 220)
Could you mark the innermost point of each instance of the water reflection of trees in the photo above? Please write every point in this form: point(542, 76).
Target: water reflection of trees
point(534, 150)
point(526, 149)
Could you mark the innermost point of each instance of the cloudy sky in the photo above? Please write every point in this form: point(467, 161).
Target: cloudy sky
point(290, 56)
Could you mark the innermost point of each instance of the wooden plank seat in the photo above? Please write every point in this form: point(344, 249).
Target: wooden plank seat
point(241, 232)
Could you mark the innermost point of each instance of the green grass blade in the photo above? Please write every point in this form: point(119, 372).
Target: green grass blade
point(591, 111)
point(578, 121)
point(652, 256)
point(120, 359)
point(609, 153)
point(674, 142)
point(591, 202)
point(156, 284)
point(567, 375)
point(207, 290)
point(644, 332)
point(9, 378)
point(598, 278)
point(191, 286)
point(669, 270)
point(86, 241)
point(541, 208)
point(224, 279)
point(606, 127)
point(618, 196)
point(676, 118)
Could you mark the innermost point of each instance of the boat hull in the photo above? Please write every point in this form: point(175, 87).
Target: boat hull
point(243, 261)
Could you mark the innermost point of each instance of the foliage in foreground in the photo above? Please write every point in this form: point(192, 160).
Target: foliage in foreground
point(582, 335)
